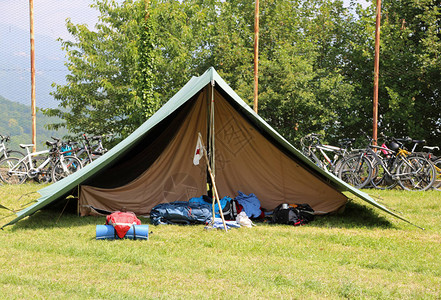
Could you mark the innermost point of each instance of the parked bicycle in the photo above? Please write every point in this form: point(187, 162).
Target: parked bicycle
point(393, 164)
point(428, 153)
point(356, 169)
point(5, 152)
point(54, 167)
point(437, 166)
point(91, 150)
point(313, 148)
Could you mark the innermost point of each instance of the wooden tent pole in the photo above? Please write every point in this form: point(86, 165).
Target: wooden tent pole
point(212, 134)
point(214, 185)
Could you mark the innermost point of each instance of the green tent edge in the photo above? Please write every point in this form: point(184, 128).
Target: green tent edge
point(193, 86)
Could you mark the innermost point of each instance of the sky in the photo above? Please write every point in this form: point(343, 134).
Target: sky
point(49, 25)
point(49, 15)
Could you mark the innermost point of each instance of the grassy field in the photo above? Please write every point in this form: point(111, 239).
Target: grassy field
point(361, 253)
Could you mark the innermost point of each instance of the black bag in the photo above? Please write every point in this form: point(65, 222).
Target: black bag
point(293, 214)
point(229, 210)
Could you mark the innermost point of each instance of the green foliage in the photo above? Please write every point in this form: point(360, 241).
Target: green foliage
point(15, 121)
point(300, 87)
point(315, 64)
point(409, 69)
point(146, 103)
point(100, 94)
point(411, 65)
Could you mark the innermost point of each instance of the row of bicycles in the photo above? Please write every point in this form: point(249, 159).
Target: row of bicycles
point(384, 166)
point(59, 161)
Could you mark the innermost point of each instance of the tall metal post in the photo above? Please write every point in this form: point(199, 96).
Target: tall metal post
point(33, 108)
point(256, 54)
point(376, 72)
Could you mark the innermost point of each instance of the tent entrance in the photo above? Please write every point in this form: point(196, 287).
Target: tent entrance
point(166, 162)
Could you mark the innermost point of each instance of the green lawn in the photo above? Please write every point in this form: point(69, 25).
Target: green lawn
point(362, 253)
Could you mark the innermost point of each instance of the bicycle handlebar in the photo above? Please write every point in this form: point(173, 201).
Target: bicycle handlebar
point(5, 138)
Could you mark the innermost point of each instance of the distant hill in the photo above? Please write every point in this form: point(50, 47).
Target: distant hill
point(16, 121)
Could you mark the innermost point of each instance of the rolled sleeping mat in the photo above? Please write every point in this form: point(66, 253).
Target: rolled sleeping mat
point(136, 232)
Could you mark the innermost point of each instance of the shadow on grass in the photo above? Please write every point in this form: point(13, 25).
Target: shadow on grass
point(354, 216)
point(54, 219)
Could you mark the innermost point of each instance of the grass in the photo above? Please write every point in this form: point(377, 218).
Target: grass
point(361, 253)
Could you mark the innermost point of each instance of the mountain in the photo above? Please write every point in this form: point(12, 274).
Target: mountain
point(15, 76)
point(16, 121)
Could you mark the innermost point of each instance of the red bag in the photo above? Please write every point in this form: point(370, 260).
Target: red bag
point(122, 221)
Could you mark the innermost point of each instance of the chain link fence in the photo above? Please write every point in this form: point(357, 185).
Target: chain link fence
point(15, 63)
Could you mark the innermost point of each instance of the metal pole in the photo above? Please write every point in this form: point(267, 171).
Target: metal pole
point(256, 54)
point(146, 8)
point(33, 109)
point(376, 72)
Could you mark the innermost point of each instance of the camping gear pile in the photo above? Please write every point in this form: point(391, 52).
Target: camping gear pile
point(237, 212)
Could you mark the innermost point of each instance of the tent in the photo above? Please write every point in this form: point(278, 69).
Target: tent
point(155, 163)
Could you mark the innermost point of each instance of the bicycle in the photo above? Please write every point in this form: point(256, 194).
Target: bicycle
point(395, 165)
point(311, 144)
point(88, 153)
point(5, 152)
point(427, 153)
point(436, 163)
point(16, 171)
point(356, 169)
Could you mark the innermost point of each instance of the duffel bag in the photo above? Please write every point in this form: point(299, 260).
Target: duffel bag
point(180, 212)
point(293, 214)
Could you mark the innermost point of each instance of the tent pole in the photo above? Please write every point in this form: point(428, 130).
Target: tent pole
point(212, 135)
point(216, 195)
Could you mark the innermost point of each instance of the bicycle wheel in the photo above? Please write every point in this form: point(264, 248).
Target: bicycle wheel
point(381, 179)
point(356, 170)
point(44, 174)
point(15, 154)
point(437, 184)
point(12, 171)
point(416, 173)
point(338, 164)
point(64, 167)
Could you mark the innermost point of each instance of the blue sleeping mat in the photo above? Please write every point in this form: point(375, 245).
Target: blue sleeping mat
point(136, 232)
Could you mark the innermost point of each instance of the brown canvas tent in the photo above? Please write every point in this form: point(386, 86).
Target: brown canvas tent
point(155, 163)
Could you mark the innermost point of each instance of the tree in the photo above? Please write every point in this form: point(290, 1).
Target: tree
point(146, 101)
point(315, 71)
point(301, 89)
point(409, 100)
point(411, 59)
point(100, 96)
point(123, 71)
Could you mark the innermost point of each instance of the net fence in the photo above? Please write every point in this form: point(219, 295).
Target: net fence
point(15, 62)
